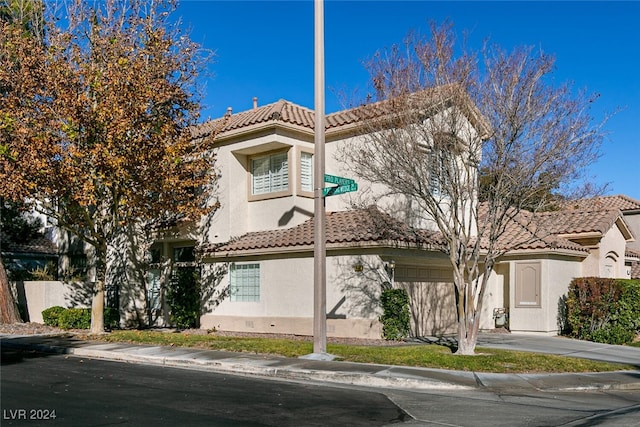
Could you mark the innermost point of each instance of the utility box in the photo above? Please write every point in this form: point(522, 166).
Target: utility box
point(500, 317)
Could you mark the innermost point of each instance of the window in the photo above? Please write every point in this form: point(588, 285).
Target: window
point(78, 265)
point(154, 291)
point(438, 170)
point(306, 171)
point(442, 165)
point(244, 285)
point(270, 174)
point(184, 255)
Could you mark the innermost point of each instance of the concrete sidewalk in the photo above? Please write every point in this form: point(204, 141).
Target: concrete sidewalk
point(360, 374)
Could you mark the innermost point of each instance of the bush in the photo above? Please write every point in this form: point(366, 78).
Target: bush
point(78, 318)
point(603, 310)
point(183, 297)
point(395, 318)
point(75, 318)
point(51, 315)
point(111, 318)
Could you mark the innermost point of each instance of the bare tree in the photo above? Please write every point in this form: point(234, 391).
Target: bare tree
point(438, 117)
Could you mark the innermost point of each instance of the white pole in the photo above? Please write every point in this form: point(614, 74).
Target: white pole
point(319, 249)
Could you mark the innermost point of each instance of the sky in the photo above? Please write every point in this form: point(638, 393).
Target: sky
point(264, 49)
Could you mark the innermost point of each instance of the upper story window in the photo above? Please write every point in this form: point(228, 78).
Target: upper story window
point(438, 169)
point(442, 164)
point(306, 171)
point(270, 173)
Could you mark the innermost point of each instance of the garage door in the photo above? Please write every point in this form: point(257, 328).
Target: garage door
point(432, 299)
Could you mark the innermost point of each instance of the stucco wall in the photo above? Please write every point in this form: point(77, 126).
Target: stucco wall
point(286, 299)
point(633, 222)
point(612, 248)
point(37, 296)
point(555, 276)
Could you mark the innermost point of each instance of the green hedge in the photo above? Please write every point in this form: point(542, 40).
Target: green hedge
point(51, 315)
point(395, 318)
point(603, 310)
point(78, 318)
point(75, 318)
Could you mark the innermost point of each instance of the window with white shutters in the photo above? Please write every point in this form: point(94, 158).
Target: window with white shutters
point(270, 174)
point(306, 171)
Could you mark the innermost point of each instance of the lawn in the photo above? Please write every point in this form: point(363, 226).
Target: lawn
point(421, 355)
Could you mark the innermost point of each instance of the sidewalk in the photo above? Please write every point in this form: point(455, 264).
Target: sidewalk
point(360, 374)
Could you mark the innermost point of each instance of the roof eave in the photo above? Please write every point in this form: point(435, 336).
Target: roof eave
point(304, 249)
point(223, 136)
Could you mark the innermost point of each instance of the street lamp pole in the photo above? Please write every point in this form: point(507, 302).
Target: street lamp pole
point(319, 249)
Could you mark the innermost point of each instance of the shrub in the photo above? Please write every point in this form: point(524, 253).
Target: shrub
point(75, 318)
point(604, 310)
point(395, 318)
point(51, 315)
point(111, 318)
point(183, 297)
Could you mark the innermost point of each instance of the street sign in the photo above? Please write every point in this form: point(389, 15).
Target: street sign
point(344, 185)
point(338, 180)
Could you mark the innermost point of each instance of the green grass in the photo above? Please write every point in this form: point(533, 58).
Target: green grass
point(421, 355)
point(635, 344)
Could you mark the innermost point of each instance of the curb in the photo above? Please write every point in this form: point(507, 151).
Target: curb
point(255, 369)
point(396, 377)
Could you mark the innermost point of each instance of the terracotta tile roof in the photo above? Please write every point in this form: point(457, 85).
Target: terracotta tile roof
point(37, 245)
point(554, 229)
point(578, 221)
point(526, 232)
point(635, 270)
point(343, 229)
point(521, 234)
point(630, 253)
point(620, 201)
point(287, 112)
point(282, 111)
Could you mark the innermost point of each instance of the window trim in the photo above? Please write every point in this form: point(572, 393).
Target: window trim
point(231, 284)
point(300, 152)
point(255, 197)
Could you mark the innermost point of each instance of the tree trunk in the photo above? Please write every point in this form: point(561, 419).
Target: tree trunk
point(97, 304)
point(467, 341)
point(8, 308)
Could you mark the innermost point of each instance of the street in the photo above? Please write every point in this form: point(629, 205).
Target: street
point(85, 392)
point(80, 391)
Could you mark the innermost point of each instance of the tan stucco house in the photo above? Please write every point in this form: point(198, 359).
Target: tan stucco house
point(258, 246)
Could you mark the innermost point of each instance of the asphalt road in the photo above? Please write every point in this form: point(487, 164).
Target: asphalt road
point(83, 392)
point(91, 393)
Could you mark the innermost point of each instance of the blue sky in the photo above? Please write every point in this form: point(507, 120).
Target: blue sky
point(265, 49)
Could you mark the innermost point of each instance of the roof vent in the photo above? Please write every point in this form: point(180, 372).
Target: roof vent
point(229, 111)
point(255, 103)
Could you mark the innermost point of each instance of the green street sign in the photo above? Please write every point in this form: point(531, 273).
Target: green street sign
point(338, 180)
point(341, 189)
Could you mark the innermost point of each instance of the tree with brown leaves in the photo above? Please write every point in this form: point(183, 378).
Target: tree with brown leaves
point(25, 15)
point(441, 117)
point(95, 122)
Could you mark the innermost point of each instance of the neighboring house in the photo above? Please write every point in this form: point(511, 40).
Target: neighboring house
point(36, 257)
point(531, 279)
point(630, 209)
